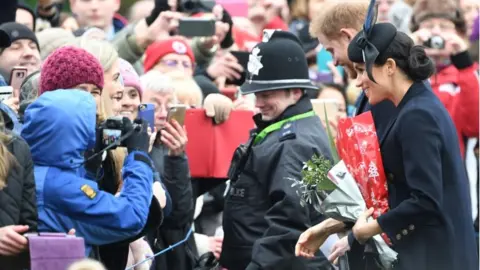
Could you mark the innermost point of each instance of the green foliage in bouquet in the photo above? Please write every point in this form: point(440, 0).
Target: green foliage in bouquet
point(314, 173)
point(315, 185)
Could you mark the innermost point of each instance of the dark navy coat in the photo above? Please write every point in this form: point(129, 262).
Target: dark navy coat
point(429, 221)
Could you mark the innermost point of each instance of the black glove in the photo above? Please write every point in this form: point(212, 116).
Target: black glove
point(160, 6)
point(139, 140)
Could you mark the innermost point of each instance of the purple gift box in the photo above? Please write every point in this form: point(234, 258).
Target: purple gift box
point(54, 251)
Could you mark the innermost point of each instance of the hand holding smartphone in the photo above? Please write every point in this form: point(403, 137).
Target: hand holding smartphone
point(17, 76)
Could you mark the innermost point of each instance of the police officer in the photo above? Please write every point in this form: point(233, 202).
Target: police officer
point(263, 217)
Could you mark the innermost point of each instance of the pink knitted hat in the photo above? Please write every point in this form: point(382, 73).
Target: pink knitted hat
point(130, 76)
point(68, 67)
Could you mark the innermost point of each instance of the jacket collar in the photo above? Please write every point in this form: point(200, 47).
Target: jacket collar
point(302, 106)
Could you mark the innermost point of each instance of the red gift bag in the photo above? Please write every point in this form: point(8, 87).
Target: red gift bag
point(210, 146)
point(358, 147)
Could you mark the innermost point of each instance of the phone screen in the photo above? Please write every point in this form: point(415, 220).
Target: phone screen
point(196, 27)
point(147, 112)
point(110, 136)
point(177, 112)
point(17, 77)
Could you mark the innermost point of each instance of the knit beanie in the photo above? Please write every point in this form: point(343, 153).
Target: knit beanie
point(68, 67)
point(159, 49)
point(448, 9)
point(18, 31)
point(53, 38)
point(130, 76)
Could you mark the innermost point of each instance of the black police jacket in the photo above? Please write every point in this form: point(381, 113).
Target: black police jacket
point(263, 218)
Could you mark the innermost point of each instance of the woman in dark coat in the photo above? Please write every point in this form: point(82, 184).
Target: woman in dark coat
point(429, 221)
point(18, 204)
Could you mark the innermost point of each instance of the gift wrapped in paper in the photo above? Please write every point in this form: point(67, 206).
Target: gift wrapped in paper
point(358, 147)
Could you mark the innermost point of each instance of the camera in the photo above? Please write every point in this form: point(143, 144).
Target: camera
point(435, 42)
point(113, 129)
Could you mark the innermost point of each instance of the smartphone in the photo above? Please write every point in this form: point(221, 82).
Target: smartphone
point(242, 58)
point(177, 112)
point(196, 27)
point(328, 105)
point(5, 92)
point(17, 77)
point(146, 112)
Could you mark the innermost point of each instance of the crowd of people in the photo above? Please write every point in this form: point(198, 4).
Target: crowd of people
point(77, 157)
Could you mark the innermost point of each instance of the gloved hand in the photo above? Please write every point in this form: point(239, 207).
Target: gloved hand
point(218, 107)
point(139, 140)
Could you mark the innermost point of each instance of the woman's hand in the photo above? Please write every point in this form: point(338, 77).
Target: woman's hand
point(12, 102)
point(364, 230)
point(215, 245)
point(12, 242)
point(310, 241)
point(225, 65)
point(175, 138)
point(339, 249)
point(421, 36)
point(454, 44)
point(160, 29)
point(221, 29)
point(218, 107)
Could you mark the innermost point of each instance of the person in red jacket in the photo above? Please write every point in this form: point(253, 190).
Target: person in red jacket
point(440, 26)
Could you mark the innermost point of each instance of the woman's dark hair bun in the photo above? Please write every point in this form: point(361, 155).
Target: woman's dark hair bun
point(420, 66)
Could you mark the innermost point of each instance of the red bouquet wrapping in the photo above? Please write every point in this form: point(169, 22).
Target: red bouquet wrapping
point(358, 147)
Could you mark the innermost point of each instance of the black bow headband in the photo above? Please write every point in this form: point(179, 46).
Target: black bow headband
point(369, 51)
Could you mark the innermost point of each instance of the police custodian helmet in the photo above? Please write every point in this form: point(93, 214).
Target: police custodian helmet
point(278, 62)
